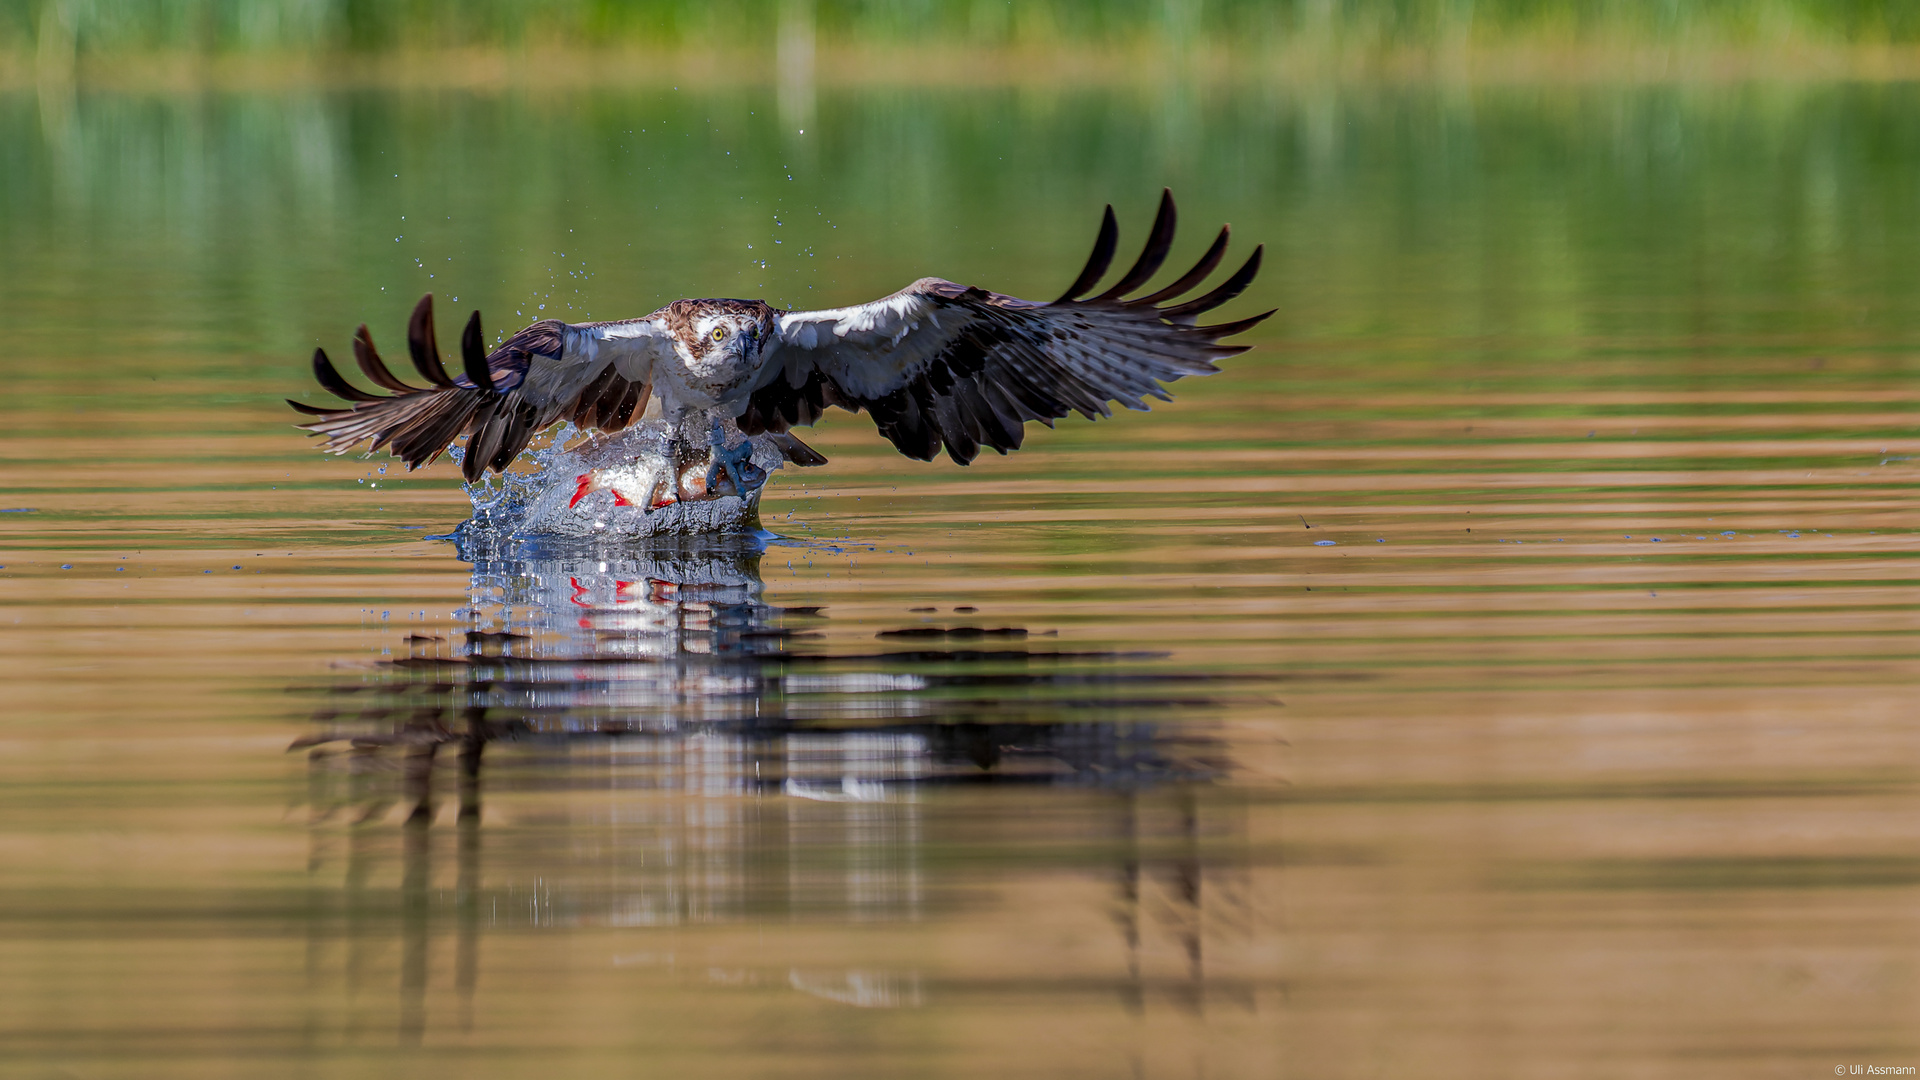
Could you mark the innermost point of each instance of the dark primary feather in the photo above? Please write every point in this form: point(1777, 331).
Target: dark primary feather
point(974, 366)
point(330, 380)
point(417, 424)
point(473, 353)
point(1232, 287)
point(1159, 243)
point(365, 355)
point(424, 346)
point(1097, 263)
point(1196, 275)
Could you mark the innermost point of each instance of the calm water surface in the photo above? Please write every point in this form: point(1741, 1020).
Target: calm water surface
point(1506, 669)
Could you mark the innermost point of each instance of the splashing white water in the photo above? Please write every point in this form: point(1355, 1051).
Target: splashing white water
point(542, 496)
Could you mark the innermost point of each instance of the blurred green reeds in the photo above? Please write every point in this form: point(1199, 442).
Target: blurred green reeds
point(922, 40)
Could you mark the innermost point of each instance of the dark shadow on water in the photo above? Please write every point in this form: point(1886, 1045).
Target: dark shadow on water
point(749, 771)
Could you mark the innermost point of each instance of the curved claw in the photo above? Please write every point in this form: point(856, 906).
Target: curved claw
point(731, 462)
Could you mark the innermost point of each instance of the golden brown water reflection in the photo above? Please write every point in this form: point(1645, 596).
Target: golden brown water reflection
point(1586, 746)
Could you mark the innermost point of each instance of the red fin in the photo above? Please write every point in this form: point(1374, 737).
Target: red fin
point(586, 484)
point(620, 500)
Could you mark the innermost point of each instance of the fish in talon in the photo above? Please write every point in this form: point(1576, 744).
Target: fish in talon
point(628, 485)
point(590, 483)
point(693, 483)
point(645, 485)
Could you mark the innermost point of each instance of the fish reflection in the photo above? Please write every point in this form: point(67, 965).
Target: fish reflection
point(750, 772)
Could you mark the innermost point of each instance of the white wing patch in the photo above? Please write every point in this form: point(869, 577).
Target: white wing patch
point(869, 349)
point(632, 346)
point(889, 318)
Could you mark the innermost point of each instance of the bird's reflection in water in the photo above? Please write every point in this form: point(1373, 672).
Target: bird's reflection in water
point(752, 773)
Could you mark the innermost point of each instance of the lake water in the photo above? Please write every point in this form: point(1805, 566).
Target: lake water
point(1507, 668)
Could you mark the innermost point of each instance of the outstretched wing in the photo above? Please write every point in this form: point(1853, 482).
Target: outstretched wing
point(940, 364)
point(598, 375)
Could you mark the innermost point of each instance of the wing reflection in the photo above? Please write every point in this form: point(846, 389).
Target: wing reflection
point(672, 668)
point(749, 771)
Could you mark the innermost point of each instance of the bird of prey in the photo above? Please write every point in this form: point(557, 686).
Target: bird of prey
point(936, 364)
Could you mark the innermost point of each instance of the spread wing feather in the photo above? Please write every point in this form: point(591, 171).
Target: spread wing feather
point(937, 365)
point(502, 399)
point(941, 365)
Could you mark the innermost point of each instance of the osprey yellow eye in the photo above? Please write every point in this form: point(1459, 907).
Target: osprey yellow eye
point(719, 333)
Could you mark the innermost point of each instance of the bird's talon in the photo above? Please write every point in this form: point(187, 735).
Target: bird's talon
point(727, 460)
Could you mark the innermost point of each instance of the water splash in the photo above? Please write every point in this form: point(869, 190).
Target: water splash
point(544, 494)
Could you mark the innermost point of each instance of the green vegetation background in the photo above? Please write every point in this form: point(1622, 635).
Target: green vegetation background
point(356, 26)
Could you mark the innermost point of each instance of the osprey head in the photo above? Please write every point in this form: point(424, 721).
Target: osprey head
point(721, 335)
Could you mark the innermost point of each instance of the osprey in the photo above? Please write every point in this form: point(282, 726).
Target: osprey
point(936, 364)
